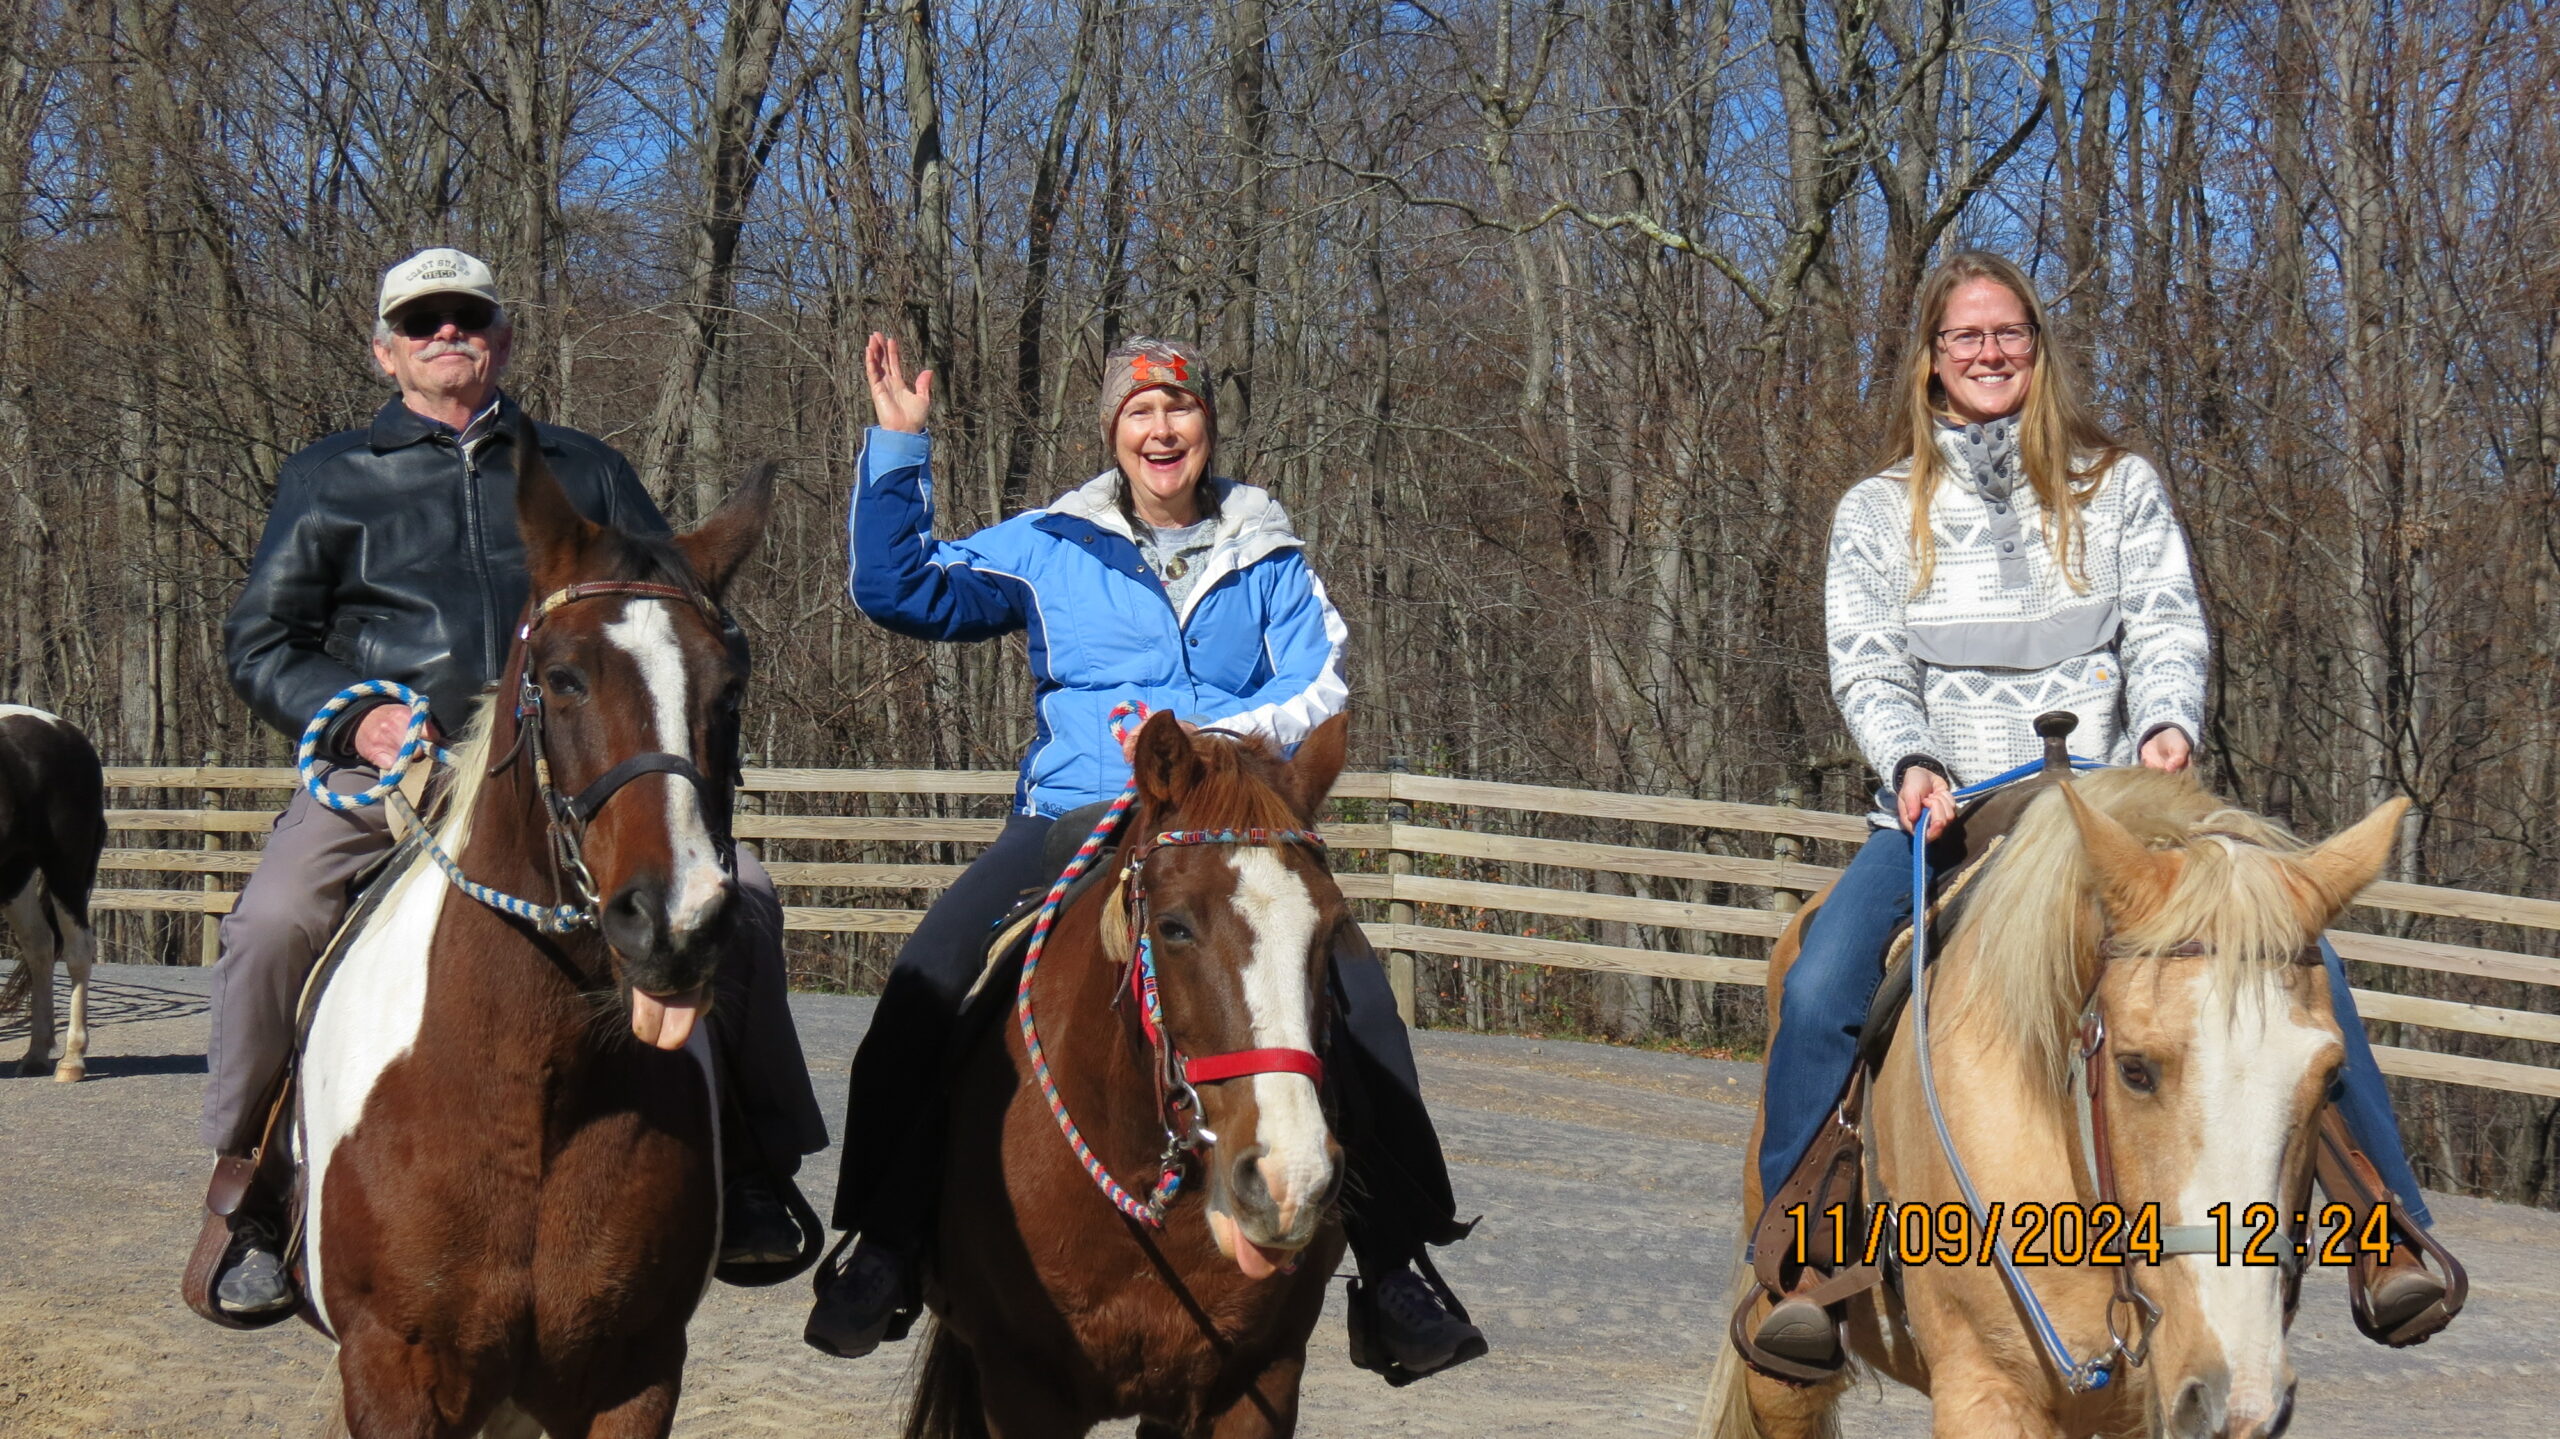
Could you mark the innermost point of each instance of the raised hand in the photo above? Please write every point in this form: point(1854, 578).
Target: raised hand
point(893, 403)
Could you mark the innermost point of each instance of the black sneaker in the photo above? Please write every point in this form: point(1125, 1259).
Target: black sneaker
point(871, 1300)
point(755, 1226)
point(1401, 1330)
point(253, 1280)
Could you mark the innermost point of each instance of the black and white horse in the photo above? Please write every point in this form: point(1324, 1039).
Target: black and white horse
point(53, 822)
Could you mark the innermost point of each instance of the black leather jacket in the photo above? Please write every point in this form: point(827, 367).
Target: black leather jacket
point(392, 553)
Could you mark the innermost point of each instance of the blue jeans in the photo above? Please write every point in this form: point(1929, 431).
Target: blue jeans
point(1842, 962)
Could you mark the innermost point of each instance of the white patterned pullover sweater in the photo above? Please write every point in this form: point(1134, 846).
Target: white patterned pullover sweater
point(1954, 675)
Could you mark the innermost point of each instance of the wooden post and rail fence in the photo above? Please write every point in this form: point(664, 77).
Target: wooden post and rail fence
point(1404, 846)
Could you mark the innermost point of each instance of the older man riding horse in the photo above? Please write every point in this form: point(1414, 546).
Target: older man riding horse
point(393, 554)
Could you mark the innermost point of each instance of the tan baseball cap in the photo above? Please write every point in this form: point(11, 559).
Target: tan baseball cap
point(435, 272)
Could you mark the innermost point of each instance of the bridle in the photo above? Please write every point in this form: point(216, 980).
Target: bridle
point(1176, 1074)
point(567, 818)
point(2098, 1151)
point(2129, 1339)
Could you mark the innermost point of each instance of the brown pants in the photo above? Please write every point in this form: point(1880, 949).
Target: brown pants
point(292, 906)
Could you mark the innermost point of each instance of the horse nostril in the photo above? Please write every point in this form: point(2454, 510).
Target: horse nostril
point(1252, 1189)
point(2195, 1415)
point(633, 920)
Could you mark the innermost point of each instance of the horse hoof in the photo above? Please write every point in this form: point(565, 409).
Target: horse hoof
point(70, 1071)
point(31, 1066)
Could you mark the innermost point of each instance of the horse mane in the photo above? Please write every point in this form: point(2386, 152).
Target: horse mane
point(1235, 790)
point(2032, 921)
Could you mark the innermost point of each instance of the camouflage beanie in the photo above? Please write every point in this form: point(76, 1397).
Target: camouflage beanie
point(1142, 364)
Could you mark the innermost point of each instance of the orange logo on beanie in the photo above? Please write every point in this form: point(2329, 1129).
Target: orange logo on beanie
point(1145, 370)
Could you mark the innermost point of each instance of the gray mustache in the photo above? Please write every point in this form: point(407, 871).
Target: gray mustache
point(449, 347)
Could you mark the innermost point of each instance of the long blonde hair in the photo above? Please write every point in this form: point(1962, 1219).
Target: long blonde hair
point(2061, 445)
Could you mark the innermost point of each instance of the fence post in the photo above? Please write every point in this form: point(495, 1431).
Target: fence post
point(1788, 850)
point(209, 927)
point(1399, 962)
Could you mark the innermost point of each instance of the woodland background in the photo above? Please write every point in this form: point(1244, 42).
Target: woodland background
point(1559, 326)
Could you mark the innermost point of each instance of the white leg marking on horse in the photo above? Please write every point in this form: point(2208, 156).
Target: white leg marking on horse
point(1290, 1117)
point(647, 631)
point(368, 1017)
point(79, 949)
point(2243, 1069)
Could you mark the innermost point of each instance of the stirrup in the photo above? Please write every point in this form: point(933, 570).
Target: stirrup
point(1830, 1173)
point(236, 1186)
point(2349, 1178)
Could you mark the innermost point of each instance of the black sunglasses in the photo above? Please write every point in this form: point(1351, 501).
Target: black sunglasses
point(421, 322)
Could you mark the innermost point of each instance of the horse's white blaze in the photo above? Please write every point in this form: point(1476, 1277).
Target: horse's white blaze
point(1290, 1116)
point(2243, 1068)
point(647, 632)
point(368, 1018)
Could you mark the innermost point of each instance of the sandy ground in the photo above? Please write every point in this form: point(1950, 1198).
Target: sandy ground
point(1608, 1179)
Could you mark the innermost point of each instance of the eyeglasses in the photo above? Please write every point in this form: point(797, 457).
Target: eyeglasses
point(421, 322)
point(2013, 340)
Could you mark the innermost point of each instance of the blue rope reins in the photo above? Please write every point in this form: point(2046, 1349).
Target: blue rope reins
point(2080, 1376)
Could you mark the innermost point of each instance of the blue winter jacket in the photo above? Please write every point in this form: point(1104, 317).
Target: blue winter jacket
point(1258, 648)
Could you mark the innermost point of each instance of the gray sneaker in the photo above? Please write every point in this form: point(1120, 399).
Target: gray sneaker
point(253, 1280)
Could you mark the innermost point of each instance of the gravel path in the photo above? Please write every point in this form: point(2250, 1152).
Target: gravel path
point(1609, 1180)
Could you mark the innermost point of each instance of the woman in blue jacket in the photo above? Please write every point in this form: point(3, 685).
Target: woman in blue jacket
point(1156, 583)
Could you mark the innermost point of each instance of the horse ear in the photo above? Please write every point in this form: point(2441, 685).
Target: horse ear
point(555, 534)
point(1165, 767)
point(716, 547)
point(1316, 765)
point(2352, 858)
point(2132, 880)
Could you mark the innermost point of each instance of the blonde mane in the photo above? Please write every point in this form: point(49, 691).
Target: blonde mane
point(2028, 933)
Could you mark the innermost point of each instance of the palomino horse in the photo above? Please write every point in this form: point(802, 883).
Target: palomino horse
point(53, 822)
point(2184, 929)
point(1056, 1310)
point(512, 1206)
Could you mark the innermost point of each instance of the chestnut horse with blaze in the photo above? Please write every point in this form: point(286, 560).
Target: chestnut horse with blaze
point(511, 1135)
point(1177, 1010)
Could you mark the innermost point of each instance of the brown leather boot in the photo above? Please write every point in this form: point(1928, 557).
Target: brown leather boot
point(1798, 1329)
point(2400, 1290)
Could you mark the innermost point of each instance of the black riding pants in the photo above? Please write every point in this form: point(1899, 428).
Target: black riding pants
point(1396, 1197)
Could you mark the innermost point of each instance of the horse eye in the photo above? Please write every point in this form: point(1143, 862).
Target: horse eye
point(2137, 1074)
point(565, 681)
point(1173, 931)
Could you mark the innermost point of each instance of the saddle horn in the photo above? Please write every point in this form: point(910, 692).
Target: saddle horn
point(2055, 726)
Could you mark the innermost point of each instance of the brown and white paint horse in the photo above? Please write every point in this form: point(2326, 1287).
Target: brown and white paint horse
point(510, 1139)
point(53, 823)
point(1058, 1312)
point(2187, 922)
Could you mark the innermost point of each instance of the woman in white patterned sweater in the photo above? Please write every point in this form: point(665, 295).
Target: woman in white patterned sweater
point(2013, 559)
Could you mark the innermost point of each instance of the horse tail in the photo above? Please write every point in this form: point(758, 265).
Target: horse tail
point(946, 1403)
point(1725, 1412)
